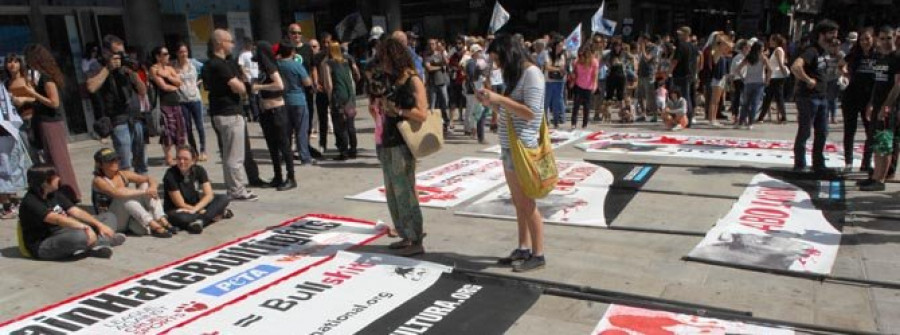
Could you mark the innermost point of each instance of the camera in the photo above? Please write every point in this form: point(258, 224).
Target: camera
point(381, 85)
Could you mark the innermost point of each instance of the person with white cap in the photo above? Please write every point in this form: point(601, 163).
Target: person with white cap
point(849, 42)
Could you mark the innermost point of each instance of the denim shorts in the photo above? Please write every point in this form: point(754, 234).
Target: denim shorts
point(506, 157)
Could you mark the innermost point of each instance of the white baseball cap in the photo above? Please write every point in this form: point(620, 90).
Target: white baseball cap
point(376, 33)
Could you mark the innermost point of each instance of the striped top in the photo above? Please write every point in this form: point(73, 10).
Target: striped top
point(529, 91)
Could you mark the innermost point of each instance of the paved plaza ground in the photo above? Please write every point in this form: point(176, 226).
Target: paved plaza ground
point(634, 262)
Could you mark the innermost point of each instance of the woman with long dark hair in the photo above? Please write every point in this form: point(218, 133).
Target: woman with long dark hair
point(520, 106)
point(17, 80)
point(615, 80)
point(168, 82)
point(780, 74)
point(755, 80)
point(190, 99)
point(397, 162)
point(273, 118)
point(860, 63)
point(555, 78)
point(51, 125)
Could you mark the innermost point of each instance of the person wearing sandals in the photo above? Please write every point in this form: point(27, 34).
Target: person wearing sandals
point(138, 210)
point(54, 228)
point(189, 199)
point(397, 162)
point(522, 102)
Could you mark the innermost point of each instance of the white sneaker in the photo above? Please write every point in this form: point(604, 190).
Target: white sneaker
point(677, 127)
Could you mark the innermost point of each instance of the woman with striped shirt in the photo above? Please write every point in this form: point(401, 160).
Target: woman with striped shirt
point(522, 101)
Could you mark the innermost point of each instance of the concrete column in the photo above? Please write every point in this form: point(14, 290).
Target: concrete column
point(143, 25)
point(391, 9)
point(265, 18)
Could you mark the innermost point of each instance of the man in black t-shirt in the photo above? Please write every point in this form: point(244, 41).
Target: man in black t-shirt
point(684, 69)
point(189, 201)
point(882, 109)
point(811, 70)
point(223, 80)
point(54, 228)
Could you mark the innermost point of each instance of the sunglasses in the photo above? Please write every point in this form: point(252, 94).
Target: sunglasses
point(296, 32)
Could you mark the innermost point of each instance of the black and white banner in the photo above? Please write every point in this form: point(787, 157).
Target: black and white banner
point(626, 320)
point(450, 184)
point(586, 195)
point(778, 225)
point(370, 294)
point(177, 293)
point(749, 150)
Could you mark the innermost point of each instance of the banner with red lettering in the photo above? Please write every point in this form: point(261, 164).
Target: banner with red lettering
point(370, 294)
point(558, 138)
point(450, 184)
point(776, 225)
point(158, 299)
point(625, 320)
point(586, 195)
point(750, 150)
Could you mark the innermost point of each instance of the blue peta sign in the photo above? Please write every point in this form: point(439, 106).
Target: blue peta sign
point(239, 280)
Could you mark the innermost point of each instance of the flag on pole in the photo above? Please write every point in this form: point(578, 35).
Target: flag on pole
point(498, 19)
point(597, 19)
point(573, 42)
point(607, 27)
point(351, 27)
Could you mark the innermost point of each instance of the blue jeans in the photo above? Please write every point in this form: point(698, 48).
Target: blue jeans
point(129, 144)
point(813, 113)
point(437, 96)
point(752, 98)
point(299, 118)
point(555, 101)
point(193, 115)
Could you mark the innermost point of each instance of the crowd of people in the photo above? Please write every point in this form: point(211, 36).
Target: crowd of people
point(299, 89)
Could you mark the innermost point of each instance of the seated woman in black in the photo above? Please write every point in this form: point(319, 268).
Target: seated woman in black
point(52, 227)
point(189, 202)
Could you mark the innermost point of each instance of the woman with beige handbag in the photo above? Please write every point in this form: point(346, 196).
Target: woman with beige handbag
point(520, 106)
point(407, 103)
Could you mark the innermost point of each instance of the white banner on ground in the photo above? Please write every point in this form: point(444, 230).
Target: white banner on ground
point(558, 138)
point(580, 197)
point(627, 320)
point(450, 184)
point(763, 151)
point(161, 298)
point(773, 225)
point(341, 296)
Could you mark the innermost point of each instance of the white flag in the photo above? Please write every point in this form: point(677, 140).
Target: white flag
point(500, 17)
point(597, 19)
point(573, 42)
point(608, 27)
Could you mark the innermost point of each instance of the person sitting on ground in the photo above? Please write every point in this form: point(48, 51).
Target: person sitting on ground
point(139, 210)
point(675, 111)
point(189, 199)
point(52, 227)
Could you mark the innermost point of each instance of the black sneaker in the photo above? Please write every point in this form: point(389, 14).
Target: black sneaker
point(413, 249)
point(533, 263)
point(101, 250)
point(875, 186)
point(399, 244)
point(865, 182)
point(515, 256)
point(195, 227)
point(287, 185)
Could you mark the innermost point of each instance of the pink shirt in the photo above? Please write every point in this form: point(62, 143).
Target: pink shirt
point(586, 75)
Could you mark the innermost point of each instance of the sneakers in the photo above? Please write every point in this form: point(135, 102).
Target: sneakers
point(247, 197)
point(875, 186)
point(677, 127)
point(532, 263)
point(865, 182)
point(117, 240)
point(413, 249)
point(195, 227)
point(101, 249)
point(516, 256)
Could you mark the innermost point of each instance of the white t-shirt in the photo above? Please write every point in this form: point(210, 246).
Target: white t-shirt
point(251, 68)
point(776, 67)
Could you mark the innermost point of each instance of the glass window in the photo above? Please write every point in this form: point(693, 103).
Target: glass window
point(15, 34)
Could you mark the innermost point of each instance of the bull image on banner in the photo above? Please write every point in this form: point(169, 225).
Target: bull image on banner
point(150, 302)
point(625, 320)
point(586, 195)
point(558, 138)
point(748, 150)
point(450, 184)
point(370, 294)
point(775, 225)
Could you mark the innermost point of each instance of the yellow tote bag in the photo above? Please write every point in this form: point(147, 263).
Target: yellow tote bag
point(535, 168)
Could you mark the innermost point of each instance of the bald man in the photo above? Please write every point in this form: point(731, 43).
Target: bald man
point(223, 79)
point(400, 36)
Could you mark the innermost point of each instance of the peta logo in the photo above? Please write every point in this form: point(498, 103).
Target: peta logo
point(239, 280)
